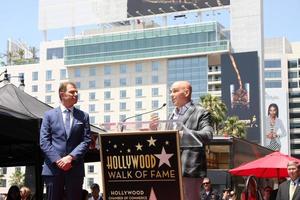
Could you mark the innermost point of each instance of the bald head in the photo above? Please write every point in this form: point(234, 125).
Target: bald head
point(181, 93)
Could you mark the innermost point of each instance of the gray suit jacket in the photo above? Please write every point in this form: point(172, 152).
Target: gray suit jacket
point(284, 190)
point(55, 144)
point(197, 121)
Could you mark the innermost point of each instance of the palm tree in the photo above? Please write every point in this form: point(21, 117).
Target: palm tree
point(21, 53)
point(235, 127)
point(216, 108)
point(34, 51)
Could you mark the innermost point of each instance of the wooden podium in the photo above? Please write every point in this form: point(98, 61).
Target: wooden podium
point(141, 164)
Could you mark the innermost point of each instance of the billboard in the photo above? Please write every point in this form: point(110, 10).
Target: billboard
point(73, 13)
point(241, 89)
point(55, 14)
point(276, 120)
point(137, 8)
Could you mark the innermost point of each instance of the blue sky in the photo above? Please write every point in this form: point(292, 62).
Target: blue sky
point(19, 20)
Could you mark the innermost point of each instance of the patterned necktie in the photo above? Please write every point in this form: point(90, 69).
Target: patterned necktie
point(68, 122)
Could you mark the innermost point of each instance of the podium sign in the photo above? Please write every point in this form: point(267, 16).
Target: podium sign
point(141, 165)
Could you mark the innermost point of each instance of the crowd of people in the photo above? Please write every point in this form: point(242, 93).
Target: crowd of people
point(24, 193)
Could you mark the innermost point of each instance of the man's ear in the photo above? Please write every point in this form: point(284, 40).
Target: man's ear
point(186, 92)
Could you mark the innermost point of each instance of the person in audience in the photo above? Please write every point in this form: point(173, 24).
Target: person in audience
point(25, 193)
point(95, 190)
point(13, 193)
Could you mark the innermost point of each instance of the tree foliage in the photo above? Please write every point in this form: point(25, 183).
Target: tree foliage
point(223, 124)
point(17, 178)
point(217, 109)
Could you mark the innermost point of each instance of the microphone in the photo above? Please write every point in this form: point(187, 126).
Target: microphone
point(134, 116)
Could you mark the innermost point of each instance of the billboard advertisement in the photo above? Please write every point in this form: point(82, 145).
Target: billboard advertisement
point(241, 89)
point(73, 13)
point(276, 120)
point(138, 8)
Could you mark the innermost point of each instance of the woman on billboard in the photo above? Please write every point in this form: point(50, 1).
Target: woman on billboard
point(274, 128)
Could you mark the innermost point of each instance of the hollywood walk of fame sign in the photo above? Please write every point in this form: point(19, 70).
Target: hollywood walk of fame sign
point(141, 165)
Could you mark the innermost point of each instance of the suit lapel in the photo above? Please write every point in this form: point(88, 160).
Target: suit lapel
point(60, 119)
point(296, 191)
point(75, 114)
point(184, 118)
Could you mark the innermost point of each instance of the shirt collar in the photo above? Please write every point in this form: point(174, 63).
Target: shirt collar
point(63, 108)
point(295, 182)
point(183, 109)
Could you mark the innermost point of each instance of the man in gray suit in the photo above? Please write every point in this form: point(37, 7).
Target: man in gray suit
point(64, 140)
point(290, 189)
point(197, 131)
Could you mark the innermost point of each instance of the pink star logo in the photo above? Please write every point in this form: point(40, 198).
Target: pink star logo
point(164, 158)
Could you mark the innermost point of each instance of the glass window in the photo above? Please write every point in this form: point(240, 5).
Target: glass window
point(122, 117)
point(48, 88)
point(154, 92)
point(138, 105)
point(17, 169)
point(90, 181)
point(92, 71)
point(155, 104)
point(3, 170)
point(123, 82)
point(123, 69)
point(92, 108)
point(35, 76)
point(92, 120)
point(122, 94)
point(91, 169)
point(107, 70)
point(2, 182)
point(55, 53)
point(272, 74)
point(107, 107)
point(138, 92)
point(293, 74)
point(155, 65)
point(138, 81)
point(154, 79)
point(48, 99)
point(106, 118)
point(292, 64)
point(139, 67)
point(77, 72)
point(92, 84)
point(107, 95)
point(273, 84)
point(122, 106)
point(34, 88)
point(293, 84)
point(92, 95)
point(63, 74)
point(273, 63)
point(48, 75)
point(107, 82)
point(78, 85)
point(77, 106)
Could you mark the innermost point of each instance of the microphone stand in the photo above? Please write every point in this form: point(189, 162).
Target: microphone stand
point(134, 116)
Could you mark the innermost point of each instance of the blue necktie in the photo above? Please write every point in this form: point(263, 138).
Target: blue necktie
point(68, 122)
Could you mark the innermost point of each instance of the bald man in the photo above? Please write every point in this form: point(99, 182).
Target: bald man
point(196, 122)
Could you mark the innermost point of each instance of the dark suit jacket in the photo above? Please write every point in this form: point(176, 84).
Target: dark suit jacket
point(284, 190)
point(55, 144)
point(197, 122)
point(213, 195)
